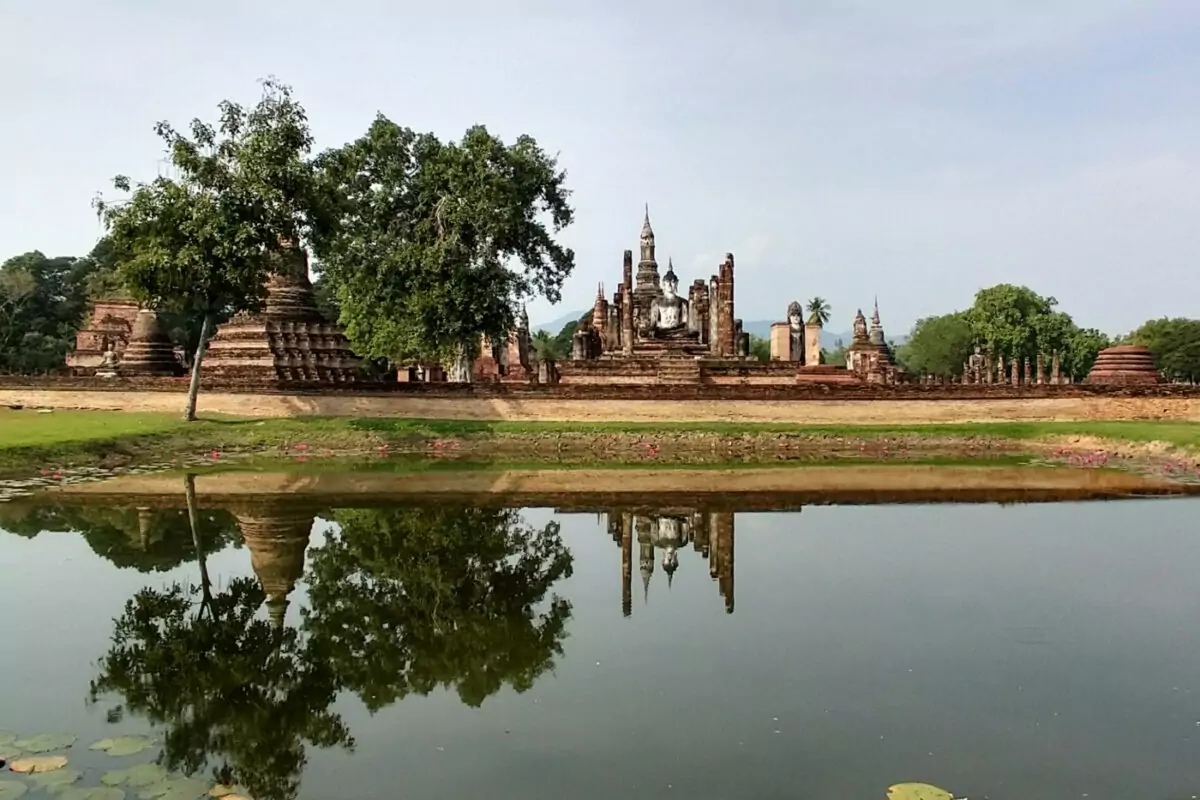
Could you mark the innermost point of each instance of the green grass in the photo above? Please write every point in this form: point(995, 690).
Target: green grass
point(29, 440)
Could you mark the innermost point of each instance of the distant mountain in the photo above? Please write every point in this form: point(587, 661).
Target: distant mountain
point(556, 325)
point(829, 339)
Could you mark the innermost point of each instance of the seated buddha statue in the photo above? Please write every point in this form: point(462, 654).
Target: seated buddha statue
point(669, 313)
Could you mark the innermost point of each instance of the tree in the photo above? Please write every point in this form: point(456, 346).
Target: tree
point(818, 311)
point(760, 348)
point(42, 302)
point(1017, 322)
point(433, 244)
point(406, 600)
point(203, 244)
point(1175, 344)
point(1083, 345)
point(549, 348)
point(938, 346)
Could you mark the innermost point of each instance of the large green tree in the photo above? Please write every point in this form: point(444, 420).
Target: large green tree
point(432, 244)
point(1175, 344)
point(203, 241)
point(406, 600)
point(938, 346)
point(42, 302)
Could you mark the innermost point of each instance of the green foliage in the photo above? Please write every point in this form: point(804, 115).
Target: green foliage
point(550, 348)
point(42, 302)
point(1083, 345)
point(406, 600)
point(819, 311)
point(432, 244)
point(760, 348)
point(1175, 344)
point(203, 243)
point(938, 346)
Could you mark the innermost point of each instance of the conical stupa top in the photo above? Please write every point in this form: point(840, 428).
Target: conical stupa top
point(646, 585)
point(647, 231)
point(277, 610)
point(875, 316)
point(670, 276)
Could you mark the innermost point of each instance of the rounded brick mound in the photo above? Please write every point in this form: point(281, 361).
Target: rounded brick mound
point(1124, 364)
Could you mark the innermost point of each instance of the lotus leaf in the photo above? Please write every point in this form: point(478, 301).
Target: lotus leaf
point(145, 775)
point(7, 737)
point(11, 790)
point(93, 793)
point(176, 789)
point(229, 792)
point(917, 791)
point(45, 742)
point(57, 780)
point(115, 778)
point(34, 764)
point(123, 746)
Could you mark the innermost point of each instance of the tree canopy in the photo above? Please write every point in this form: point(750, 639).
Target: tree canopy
point(202, 243)
point(431, 245)
point(42, 303)
point(938, 345)
point(1175, 344)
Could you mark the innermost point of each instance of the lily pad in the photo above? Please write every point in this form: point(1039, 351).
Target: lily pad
point(11, 790)
point(123, 746)
point(917, 791)
point(45, 742)
point(7, 737)
point(115, 778)
point(57, 780)
point(145, 775)
point(177, 788)
point(93, 793)
point(34, 764)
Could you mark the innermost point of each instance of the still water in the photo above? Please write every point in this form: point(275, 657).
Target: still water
point(1001, 651)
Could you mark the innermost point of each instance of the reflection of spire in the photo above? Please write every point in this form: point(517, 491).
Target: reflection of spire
point(277, 538)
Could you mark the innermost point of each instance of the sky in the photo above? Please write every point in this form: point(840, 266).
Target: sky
point(914, 151)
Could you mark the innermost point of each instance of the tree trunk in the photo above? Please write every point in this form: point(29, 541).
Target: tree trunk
point(194, 388)
point(189, 484)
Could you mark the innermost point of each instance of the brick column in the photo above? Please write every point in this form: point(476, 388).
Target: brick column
point(728, 345)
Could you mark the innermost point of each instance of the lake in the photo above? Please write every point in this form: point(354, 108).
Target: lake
point(359, 642)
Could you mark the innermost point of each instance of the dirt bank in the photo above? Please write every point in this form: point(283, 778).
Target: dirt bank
point(811, 412)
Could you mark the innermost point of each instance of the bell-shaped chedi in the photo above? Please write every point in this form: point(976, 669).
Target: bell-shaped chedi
point(277, 539)
point(150, 351)
point(288, 341)
point(1124, 364)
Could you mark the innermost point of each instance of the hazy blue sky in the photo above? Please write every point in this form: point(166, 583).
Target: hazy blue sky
point(846, 148)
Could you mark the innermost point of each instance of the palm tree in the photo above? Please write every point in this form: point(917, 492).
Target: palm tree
point(818, 311)
point(547, 347)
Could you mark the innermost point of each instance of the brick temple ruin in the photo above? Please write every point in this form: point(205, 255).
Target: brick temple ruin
point(649, 333)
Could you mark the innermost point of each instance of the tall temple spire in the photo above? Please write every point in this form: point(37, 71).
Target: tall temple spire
point(647, 272)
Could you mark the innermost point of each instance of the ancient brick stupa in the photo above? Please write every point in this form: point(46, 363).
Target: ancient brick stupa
point(1128, 364)
point(277, 539)
point(288, 341)
point(150, 351)
point(107, 331)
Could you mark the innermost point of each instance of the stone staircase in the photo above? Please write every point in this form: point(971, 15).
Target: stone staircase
point(679, 371)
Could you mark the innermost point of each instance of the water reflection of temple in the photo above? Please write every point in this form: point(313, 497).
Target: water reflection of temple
point(277, 537)
point(661, 535)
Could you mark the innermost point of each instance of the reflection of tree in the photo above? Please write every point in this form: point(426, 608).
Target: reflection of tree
point(229, 689)
point(148, 540)
point(406, 600)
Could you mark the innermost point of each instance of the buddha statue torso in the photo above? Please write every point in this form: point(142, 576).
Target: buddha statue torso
point(668, 313)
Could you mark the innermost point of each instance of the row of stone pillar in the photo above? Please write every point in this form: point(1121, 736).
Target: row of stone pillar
point(981, 369)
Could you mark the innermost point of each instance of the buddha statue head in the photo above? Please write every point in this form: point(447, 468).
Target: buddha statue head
point(670, 282)
point(795, 315)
